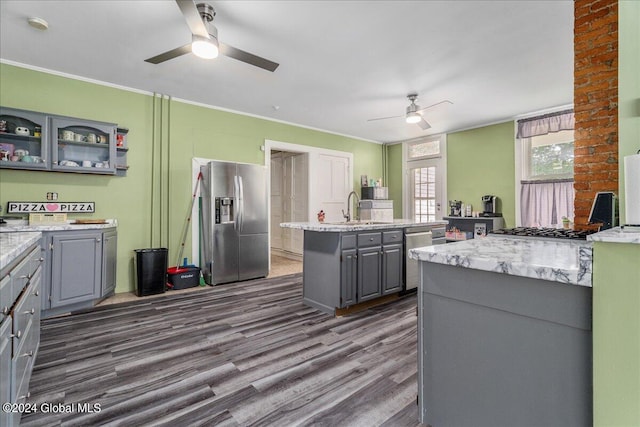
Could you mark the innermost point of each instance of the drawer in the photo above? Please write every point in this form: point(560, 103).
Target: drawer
point(22, 365)
point(6, 297)
point(392, 236)
point(369, 239)
point(21, 274)
point(27, 308)
point(348, 241)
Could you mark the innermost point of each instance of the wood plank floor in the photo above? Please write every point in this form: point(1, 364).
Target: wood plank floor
point(242, 354)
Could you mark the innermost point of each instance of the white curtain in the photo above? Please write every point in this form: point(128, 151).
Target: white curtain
point(542, 125)
point(545, 203)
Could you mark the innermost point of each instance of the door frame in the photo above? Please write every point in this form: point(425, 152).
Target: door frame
point(313, 153)
point(441, 160)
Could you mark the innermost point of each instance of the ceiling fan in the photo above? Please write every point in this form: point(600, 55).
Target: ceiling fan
point(205, 42)
point(414, 112)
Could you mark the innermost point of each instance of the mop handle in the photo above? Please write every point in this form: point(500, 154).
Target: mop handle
point(186, 226)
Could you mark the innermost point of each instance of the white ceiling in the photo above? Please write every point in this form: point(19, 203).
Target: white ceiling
point(341, 62)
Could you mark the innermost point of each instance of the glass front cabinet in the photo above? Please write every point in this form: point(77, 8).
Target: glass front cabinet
point(39, 141)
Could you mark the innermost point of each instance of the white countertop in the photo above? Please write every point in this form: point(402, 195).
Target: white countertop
point(338, 227)
point(13, 244)
point(617, 235)
point(14, 226)
point(549, 259)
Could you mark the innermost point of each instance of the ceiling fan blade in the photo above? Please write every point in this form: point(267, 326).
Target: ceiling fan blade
point(446, 101)
point(384, 118)
point(247, 57)
point(423, 124)
point(193, 18)
point(174, 53)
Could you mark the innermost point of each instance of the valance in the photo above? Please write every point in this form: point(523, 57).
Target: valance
point(542, 125)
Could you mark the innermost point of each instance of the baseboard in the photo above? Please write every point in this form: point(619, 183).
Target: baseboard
point(286, 254)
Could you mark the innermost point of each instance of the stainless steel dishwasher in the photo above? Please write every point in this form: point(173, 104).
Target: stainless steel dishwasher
point(417, 237)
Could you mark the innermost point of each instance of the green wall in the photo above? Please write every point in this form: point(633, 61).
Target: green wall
point(616, 334)
point(482, 161)
point(151, 202)
point(394, 179)
point(616, 271)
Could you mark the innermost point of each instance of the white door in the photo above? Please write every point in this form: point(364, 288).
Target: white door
point(276, 200)
point(425, 190)
point(332, 184)
point(299, 198)
point(425, 185)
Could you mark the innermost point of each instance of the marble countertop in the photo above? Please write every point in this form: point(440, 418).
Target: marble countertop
point(339, 227)
point(558, 261)
point(13, 244)
point(13, 226)
point(617, 235)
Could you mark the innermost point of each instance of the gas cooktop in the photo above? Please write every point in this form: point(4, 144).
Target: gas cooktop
point(555, 233)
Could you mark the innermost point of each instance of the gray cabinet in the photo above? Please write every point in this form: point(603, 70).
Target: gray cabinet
point(5, 368)
point(19, 329)
point(76, 267)
point(79, 268)
point(348, 277)
point(392, 262)
point(109, 261)
point(343, 269)
point(369, 269)
point(41, 141)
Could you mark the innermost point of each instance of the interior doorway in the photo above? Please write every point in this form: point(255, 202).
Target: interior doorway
point(289, 200)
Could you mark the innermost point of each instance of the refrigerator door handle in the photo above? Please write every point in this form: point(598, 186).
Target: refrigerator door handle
point(236, 209)
point(241, 198)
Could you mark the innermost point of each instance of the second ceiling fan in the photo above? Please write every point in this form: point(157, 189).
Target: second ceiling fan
point(205, 42)
point(414, 112)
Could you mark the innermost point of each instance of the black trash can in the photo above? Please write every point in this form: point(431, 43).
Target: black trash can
point(151, 271)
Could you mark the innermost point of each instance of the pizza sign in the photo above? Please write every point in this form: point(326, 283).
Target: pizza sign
point(48, 207)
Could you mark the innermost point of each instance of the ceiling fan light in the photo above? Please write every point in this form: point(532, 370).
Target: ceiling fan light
point(413, 117)
point(204, 48)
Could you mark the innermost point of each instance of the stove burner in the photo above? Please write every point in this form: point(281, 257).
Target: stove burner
point(555, 233)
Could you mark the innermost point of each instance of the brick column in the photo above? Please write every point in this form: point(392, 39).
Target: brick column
point(595, 101)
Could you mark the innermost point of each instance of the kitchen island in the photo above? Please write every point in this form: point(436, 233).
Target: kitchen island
point(355, 262)
point(504, 333)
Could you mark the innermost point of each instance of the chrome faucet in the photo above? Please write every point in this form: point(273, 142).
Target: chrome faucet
point(347, 215)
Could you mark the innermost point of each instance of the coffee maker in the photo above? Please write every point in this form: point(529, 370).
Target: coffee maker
point(489, 204)
point(455, 208)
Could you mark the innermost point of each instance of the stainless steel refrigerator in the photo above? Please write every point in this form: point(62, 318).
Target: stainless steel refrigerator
point(235, 241)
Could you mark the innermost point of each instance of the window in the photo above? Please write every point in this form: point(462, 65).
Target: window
point(546, 184)
point(421, 149)
point(548, 156)
point(423, 183)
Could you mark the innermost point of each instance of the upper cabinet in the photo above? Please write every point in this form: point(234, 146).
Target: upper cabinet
point(39, 141)
point(23, 140)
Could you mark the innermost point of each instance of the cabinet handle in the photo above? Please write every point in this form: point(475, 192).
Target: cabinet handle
point(5, 310)
point(28, 276)
point(36, 293)
point(371, 239)
point(26, 396)
point(28, 354)
point(41, 259)
point(98, 240)
point(32, 311)
point(18, 335)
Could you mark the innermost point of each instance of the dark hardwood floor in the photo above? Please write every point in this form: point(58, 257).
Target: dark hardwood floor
point(242, 354)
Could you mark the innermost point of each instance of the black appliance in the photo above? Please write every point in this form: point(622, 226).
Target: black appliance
point(555, 233)
point(604, 210)
point(490, 206)
point(455, 208)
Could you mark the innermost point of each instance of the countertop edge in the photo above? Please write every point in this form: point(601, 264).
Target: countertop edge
point(617, 235)
point(14, 244)
point(338, 228)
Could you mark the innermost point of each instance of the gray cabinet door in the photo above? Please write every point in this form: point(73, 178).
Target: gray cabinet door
point(5, 368)
point(391, 268)
point(109, 261)
point(348, 277)
point(76, 269)
point(369, 274)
